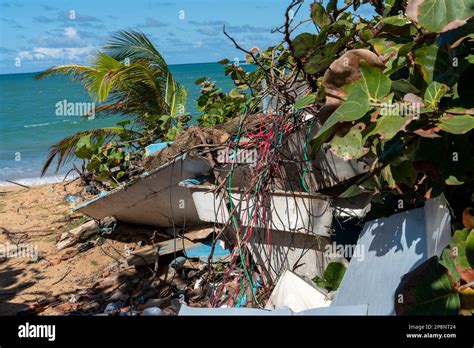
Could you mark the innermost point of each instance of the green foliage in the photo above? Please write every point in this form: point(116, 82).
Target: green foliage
point(332, 276)
point(129, 77)
point(427, 291)
point(217, 106)
point(400, 78)
point(441, 287)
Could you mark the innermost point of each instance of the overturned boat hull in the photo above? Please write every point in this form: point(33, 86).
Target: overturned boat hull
point(155, 199)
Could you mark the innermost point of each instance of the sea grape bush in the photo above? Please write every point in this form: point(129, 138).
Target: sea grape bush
point(392, 91)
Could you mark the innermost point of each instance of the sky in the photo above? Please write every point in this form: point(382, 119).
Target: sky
point(38, 34)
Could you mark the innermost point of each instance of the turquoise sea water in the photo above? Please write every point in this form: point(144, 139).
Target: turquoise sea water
point(29, 125)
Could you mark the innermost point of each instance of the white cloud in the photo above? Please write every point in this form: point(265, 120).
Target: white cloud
point(68, 54)
point(70, 32)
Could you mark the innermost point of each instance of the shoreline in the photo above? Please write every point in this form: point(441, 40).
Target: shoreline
point(38, 181)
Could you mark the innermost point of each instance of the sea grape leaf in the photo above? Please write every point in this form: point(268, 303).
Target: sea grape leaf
point(456, 124)
point(447, 261)
point(433, 63)
point(374, 82)
point(319, 15)
point(428, 290)
point(317, 63)
point(303, 43)
point(434, 15)
point(332, 276)
point(460, 252)
point(372, 85)
point(349, 146)
point(324, 56)
point(342, 74)
point(354, 107)
point(404, 86)
point(434, 93)
point(387, 126)
point(388, 177)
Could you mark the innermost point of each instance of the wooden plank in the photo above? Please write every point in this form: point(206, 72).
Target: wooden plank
point(147, 255)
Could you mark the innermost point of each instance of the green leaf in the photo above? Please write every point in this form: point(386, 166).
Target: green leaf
point(354, 107)
point(387, 126)
point(303, 43)
point(404, 86)
point(349, 146)
point(334, 273)
point(428, 290)
point(332, 276)
point(374, 82)
point(331, 6)
point(434, 93)
point(319, 15)
point(200, 80)
point(305, 101)
point(353, 191)
point(388, 177)
point(456, 124)
point(448, 262)
point(316, 64)
point(453, 181)
point(434, 15)
point(396, 20)
point(460, 250)
point(433, 63)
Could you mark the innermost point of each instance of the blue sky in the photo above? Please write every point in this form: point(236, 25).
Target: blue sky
point(41, 33)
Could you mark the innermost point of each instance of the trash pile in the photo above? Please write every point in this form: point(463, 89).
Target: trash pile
point(241, 222)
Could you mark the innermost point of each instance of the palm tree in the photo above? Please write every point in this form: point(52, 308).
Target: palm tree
point(129, 77)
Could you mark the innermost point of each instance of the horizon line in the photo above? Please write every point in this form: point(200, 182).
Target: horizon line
point(33, 72)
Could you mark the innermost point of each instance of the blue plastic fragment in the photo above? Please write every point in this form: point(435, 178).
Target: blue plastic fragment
point(203, 250)
point(152, 148)
point(196, 181)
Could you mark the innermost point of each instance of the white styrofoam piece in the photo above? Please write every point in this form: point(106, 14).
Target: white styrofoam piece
point(297, 294)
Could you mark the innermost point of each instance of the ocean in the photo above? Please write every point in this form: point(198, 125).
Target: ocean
point(29, 124)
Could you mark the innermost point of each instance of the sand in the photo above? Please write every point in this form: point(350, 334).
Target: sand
point(35, 218)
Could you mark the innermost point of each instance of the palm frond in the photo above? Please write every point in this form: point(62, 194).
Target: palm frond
point(74, 71)
point(135, 46)
point(65, 148)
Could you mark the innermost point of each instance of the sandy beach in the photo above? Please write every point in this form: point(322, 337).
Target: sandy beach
point(35, 217)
